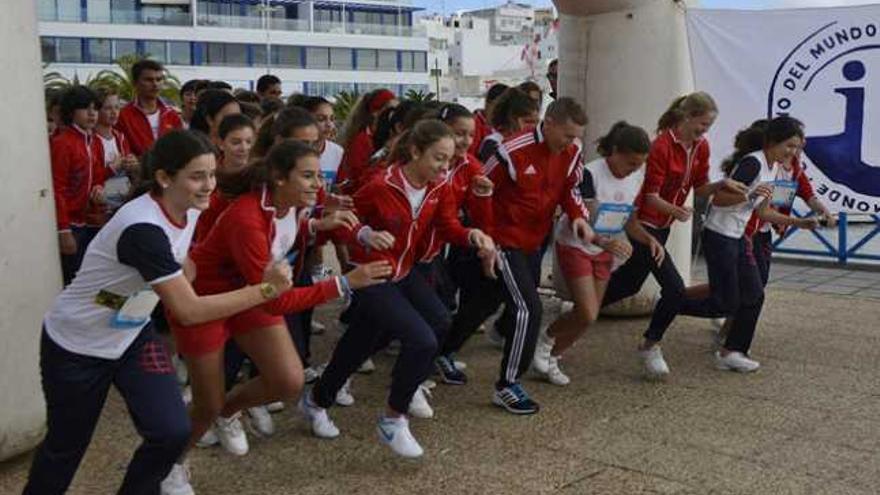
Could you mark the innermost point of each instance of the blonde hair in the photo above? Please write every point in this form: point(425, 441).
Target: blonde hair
point(692, 105)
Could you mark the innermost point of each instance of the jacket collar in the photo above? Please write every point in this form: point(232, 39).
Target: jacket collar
point(394, 177)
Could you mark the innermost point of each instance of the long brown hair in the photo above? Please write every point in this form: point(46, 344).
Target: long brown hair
point(693, 105)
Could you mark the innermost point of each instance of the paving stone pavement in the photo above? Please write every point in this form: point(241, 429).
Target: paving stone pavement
point(806, 423)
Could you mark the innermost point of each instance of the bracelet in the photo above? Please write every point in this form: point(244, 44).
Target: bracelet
point(268, 291)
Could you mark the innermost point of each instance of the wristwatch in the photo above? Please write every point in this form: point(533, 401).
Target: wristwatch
point(268, 291)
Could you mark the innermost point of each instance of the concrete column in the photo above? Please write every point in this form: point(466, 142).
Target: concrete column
point(627, 60)
point(29, 264)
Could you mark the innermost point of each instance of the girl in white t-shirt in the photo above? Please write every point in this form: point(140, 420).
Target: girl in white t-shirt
point(122, 166)
point(98, 332)
point(609, 187)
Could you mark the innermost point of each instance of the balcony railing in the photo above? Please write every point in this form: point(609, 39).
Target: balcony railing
point(252, 22)
point(120, 17)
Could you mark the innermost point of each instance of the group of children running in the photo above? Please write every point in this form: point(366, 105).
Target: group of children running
point(211, 222)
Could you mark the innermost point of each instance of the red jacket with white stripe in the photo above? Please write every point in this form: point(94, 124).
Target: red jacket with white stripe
point(804, 191)
point(356, 162)
point(134, 124)
point(481, 130)
point(382, 204)
point(477, 208)
point(530, 182)
point(671, 173)
point(77, 168)
point(238, 248)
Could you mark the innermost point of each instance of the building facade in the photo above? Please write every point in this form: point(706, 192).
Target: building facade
point(317, 47)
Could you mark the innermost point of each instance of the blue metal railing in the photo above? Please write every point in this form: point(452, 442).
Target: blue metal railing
point(838, 249)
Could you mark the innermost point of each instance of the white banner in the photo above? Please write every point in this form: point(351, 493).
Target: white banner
point(821, 66)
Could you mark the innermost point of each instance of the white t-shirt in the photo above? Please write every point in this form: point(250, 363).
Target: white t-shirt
point(600, 186)
point(139, 247)
point(153, 119)
point(752, 170)
point(111, 151)
point(415, 196)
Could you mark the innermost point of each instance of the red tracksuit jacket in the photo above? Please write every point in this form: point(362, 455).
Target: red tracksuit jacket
point(356, 162)
point(238, 248)
point(477, 208)
point(134, 124)
point(77, 168)
point(382, 204)
point(481, 130)
point(530, 182)
point(671, 173)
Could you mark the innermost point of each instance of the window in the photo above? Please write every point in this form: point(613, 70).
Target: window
point(123, 11)
point(69, 11)
point(387, 60)
point(47, 49)
point(340, 59)
point(155, 50)
point(46, 10)
point(406, 61)
point(366, 59)
point(236, 54)
point(259, 55)
point(69, 50)
point(420, 61)
point(122, 48)
point(100, 51)
point(179, 53)
point(317, 58)
point(389, 19)
point(98, 10)
point(216, 54)
point(287, 56)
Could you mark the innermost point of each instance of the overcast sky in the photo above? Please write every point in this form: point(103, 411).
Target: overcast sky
point(454, 5)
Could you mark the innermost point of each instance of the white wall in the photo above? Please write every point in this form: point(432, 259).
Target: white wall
point(629, 64)
point(30, 274)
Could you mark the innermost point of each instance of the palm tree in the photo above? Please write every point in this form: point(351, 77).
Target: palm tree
point(419, 96)
point(117, 79)
point(345, 102)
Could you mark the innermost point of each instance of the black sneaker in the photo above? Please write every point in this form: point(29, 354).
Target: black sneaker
point(448, 372)
point(515, 400)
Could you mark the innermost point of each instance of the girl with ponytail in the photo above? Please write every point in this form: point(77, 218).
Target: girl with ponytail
point(678, 163)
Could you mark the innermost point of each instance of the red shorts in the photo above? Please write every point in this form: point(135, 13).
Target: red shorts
point(198, 340)
point(575, 263)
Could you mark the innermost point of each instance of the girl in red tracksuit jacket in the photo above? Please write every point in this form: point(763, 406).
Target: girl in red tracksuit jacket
point(357, 139)
point(512, 113)
point(258, 229)
point(472, 193)
point(397, 211)
point(77, 177)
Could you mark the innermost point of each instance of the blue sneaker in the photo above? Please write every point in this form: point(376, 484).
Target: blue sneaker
point(448, 371)
point(515, 400)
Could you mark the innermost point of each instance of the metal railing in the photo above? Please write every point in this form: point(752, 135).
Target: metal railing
point(119, 17)
point(839, 248)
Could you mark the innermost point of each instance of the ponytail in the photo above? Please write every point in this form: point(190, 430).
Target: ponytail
point(762, 134)
point(692, 105)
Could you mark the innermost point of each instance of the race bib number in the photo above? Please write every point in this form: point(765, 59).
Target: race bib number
point(783, 193)
point(611, 218)
point(136, 310)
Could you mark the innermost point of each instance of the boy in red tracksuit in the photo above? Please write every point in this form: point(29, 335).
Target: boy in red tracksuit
point(533, 172)
point(78, 174)
point(147, 118)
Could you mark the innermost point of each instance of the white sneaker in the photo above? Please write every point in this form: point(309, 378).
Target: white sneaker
point(555, 374)
point(543, 348)
point(718, 323)
point(320, 422)
point(344, 396)
point(209, 439)
point(274, 407)
point(187, 395)
point(655, 365)
point(367, 367)
point(312, 373)
point(180, 370)
point(394, 432)
point(177, 482)
point(460, 364)
point(231, 434)
point(736, 361)
point(429, 384)
point(261, 420)
point(419, 406)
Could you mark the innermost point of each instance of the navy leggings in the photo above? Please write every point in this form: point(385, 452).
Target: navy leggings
point(735, 290)
point(408, 310)
point(76, 386)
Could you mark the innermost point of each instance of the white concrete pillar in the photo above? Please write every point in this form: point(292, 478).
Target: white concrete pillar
point(627, 59)
point(30, 274)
